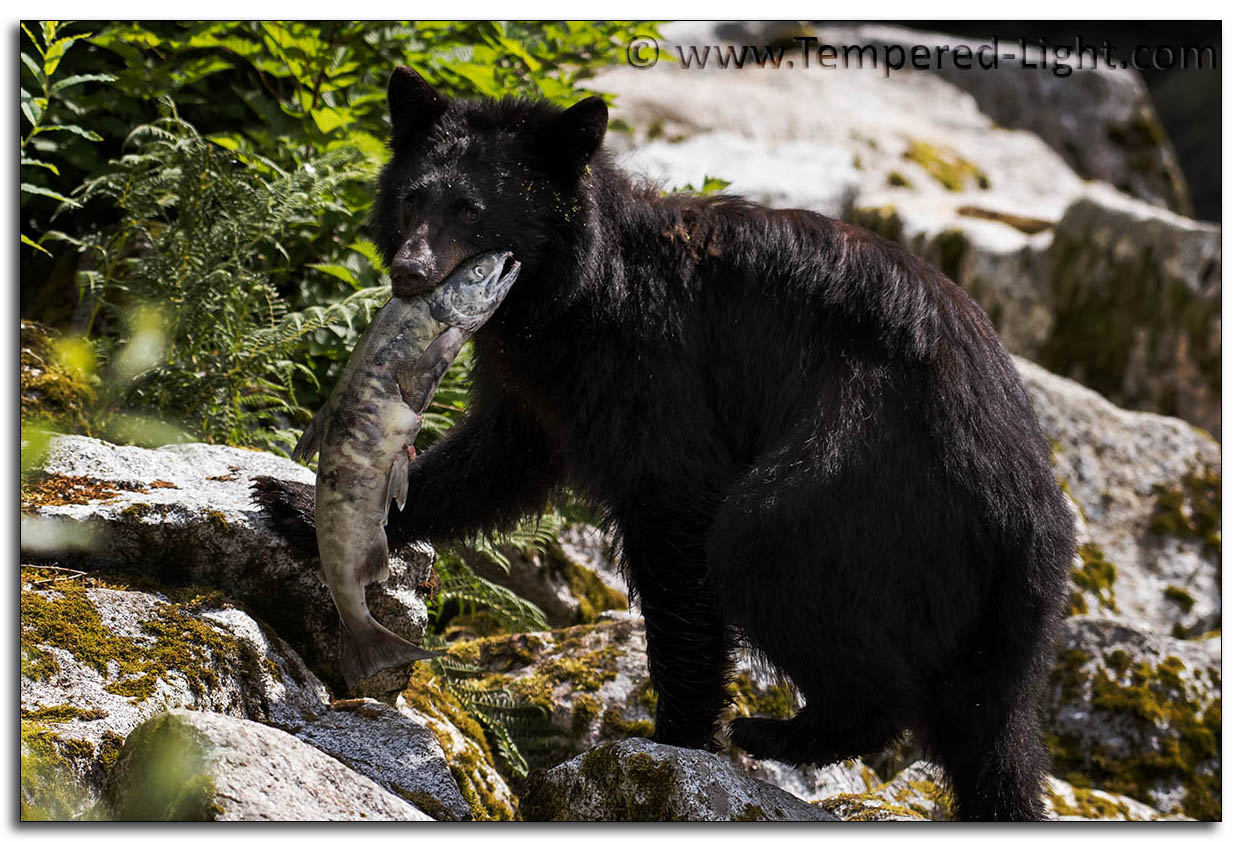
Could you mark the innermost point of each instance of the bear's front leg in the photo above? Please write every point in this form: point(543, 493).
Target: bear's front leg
point(687, 644)
point(489, 470)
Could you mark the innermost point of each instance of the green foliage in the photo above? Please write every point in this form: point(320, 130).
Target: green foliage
point(710, 185)
point(49, 111)
point(205, 337)
point(469, 601)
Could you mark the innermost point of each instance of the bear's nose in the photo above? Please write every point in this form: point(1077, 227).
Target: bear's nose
point(409, 276)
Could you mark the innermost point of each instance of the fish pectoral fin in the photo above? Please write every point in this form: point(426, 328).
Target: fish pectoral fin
point(312, 437)
point(374, 564)
point(399, 476)
point(418, 380)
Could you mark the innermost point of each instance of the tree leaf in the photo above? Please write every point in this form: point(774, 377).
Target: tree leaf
point(34, 68)
point(72, 129)
point(34, 162)
point(33, 244)
point(51, 194)
point(70, 81)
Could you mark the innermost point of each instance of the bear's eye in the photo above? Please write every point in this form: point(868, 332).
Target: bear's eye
point(470, 214)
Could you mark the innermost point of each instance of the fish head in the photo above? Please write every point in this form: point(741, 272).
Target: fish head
point(473, 292)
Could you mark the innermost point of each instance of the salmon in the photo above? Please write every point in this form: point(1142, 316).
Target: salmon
point(364, 435)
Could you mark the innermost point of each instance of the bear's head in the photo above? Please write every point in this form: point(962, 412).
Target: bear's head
point(469, 176)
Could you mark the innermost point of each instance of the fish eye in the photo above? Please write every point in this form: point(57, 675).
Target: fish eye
point(478, 272)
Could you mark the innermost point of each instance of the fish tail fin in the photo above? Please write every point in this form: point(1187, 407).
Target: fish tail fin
point(367, 651)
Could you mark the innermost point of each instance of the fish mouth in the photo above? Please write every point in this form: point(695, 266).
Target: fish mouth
point(509, 268)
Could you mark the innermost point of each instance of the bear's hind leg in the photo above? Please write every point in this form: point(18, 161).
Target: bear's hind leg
point(819, 733)
point(787, 579)
point(983, 727)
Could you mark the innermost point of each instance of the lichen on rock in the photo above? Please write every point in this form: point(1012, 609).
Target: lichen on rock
point(1139, 715)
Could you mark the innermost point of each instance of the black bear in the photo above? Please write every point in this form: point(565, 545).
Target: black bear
point(808, 441)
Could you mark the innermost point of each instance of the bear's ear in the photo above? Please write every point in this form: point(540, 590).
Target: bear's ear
point(572, 137)
point(411, 100)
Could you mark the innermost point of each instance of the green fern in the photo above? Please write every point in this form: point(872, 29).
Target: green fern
point(199, 244)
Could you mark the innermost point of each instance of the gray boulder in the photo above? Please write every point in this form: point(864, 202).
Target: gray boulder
point(638, 780)
point(181, 515)
point(1100, 121)
point(1114, 291)
point(1148, 490)
point(391, 749)
point(782, 174)
point(97, 661)
point(187, 764)
point(1138, 714)
point(1136, 306)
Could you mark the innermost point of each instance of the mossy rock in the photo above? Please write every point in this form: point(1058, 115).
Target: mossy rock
point(97, 658)
point(53, 392)
point(432, 702)
point(638, 780)
point(953, 171)
point(1138, 715)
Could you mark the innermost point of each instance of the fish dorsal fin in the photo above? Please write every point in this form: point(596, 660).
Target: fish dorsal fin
point(312, 438)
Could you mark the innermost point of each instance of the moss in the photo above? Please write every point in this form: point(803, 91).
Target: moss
point(136, 512)
point(469, 757)
point(1096, 575)
point(1191, 510)
point(776, 701)
point(218, 519)
point(42, 489)
point(1089, 805)
point(751, 813)
point(1119, 660)
point(62, 615)
point(1153, 699)
point(953, 171)
point(583, 713)
point(76, 749)
point(586, 673)
point(896, 179)
point(615, 727)
point(883, 220)
point(859, 807)
point(644, 792)
point(1179, 597)
point(500, 653)
point(63, 713)
point(48, 787)
point(645, 695)
point(109, 749)
point(1025, 224)
point(594, 597)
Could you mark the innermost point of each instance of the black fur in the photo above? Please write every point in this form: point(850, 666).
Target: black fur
point(805, 437)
